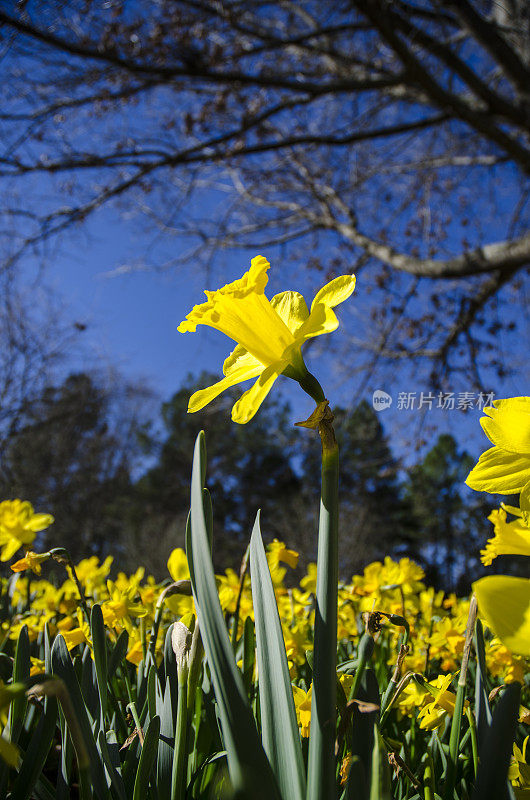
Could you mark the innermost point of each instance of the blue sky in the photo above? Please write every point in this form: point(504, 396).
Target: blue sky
point(132, 315)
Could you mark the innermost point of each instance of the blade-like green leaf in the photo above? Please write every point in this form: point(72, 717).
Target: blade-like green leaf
point(118, 653)
point(165, 746)
point(35, 756)
point(147, 759)
point(280, 735)
point(482, 706)
point(97, 628)
point(62, 667)
point(21, 669)
point(249, 654)
point(494, 756)
point(249, 769)
point(109, 750)
point(381, 780)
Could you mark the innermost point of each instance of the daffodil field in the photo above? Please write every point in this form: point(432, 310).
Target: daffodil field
point(245, 685)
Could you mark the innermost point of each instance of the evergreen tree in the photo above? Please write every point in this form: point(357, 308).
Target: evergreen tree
point(72, 457)
point(249, 468)
point(375, 517)
point(451, 522)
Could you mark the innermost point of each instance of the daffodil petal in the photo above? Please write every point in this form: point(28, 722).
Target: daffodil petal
point(504, 602)
point(292, 308)
point(9, 549)
point(335, 292)
point(240, 358)
point(38, 522)
point(499, 472)
point(250, 401)
point(524, 502)
point(322, 319)
point(204, 396)
point(177, 565)
point(507, 424)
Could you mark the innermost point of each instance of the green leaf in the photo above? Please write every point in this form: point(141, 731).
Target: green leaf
point(482, 706)
point(108, 747)
point(21, 669)
point(147, 759)
point(35, 756)
point(495, 752)
point(118, 653)
point(249, 654)
point(248, 766)
point(280, 735)
point(63, 667)
point(165, 747)
point(381, 779)
point(97, 628)
point(321, 770)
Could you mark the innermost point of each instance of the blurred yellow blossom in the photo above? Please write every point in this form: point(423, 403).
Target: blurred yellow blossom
point(302, 703)
point(18, 526)
point(30, 561)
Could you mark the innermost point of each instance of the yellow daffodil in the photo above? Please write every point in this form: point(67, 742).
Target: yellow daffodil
point(504, 602)
point(18, 526)
point(505, 468)
point(79, 635)
point(177, 565)
point(519, 772)
point(511, 538)
point(30, 561)
point(269, 334)
point(302, 703)
point(121, 606)
point(433, 714)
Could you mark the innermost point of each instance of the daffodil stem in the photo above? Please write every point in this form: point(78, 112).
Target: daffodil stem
point(456, 724)
point(474, 742)
point(179, 753)
point(321, 766)
point(312, 387)
point(428, 778)
point(242, 573)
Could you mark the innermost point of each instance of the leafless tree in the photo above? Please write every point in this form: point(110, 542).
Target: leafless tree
point(385, 135)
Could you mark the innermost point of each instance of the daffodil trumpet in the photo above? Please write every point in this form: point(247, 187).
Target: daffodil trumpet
point(269, 335)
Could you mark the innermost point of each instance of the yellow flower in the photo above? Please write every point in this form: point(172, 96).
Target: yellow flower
point(79, 635)
point(433, 714)
point(18, 526)
point(302, 702)
point(269, 334)
point(519, 772)
point(504, 602)
point(505, 468)
point(30, 561)
point(121, 606)
point(511, 538)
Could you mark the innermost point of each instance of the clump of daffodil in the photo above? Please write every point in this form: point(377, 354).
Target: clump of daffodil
point(505, 467)
point(18, 526)
point(269, 335)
